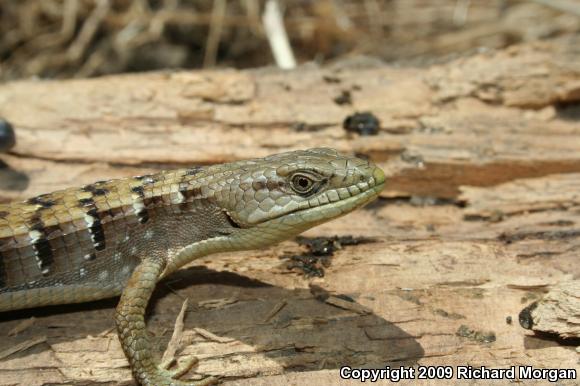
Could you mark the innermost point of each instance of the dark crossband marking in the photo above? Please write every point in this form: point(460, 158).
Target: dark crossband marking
point(190, 193)
point(138, 190)
point(39, 239)
point(139, 205)
point(94, 190)
point(3, 213)
point(94, 224)
point(193, 171)
point(154, 201)
point(43, 200)
point(147, 179)
point(42, 250)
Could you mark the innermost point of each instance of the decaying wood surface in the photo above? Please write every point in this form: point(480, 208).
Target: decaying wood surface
point(481, 216)
point(556, 313)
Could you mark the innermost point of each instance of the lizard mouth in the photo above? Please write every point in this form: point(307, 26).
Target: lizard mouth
point(231, 220)
point(314, 215)
point(317, 209)
point(292, 223)
point(333, 203)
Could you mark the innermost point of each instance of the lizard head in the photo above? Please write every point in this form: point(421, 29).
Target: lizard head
point(271, 199)
point(287, 193)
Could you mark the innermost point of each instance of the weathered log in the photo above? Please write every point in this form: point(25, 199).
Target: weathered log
point(556, 313)
point(481, 215)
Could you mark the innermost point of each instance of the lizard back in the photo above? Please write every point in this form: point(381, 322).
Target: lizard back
point(75, 237)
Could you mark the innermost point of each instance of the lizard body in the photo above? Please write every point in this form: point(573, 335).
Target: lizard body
point(120, 237)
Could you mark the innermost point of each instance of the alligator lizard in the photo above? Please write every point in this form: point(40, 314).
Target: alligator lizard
point(120, 237)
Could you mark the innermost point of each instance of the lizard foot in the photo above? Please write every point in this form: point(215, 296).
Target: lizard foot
point(163, 377)
point(182, 368)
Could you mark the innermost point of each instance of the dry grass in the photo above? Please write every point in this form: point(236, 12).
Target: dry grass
point(83, 38)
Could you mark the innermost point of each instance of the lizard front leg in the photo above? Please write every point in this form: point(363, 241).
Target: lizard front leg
point(130, 320)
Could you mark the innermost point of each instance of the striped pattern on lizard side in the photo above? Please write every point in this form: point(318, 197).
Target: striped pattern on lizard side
point(74, 237)
point(122, 236)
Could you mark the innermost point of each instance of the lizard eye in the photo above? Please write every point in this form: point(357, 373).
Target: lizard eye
point(302, 184)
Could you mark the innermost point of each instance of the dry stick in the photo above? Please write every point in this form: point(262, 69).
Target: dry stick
point(210, 336)
point(22, 326)
point(215, 32)
point(95, 61)
point(252, 8)
point(277, 308)
point(187, 19)
point(50, 40)
point(22, 346)
point(277, 36)
point(69, 19)
point(29, 22)
point(159, 21)
point(79, 46)
point(169, 354)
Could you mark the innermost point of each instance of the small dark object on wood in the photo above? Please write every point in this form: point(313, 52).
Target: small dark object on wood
point(525, 316)
point(345, 98)
point(331, 79)
point(320, 250)
point(478, 336)
point(319, 293)
point(362, 123)
point(556, 314)
point(305, 127)
point(7, 136)
point(309, 264)
point(325, 246)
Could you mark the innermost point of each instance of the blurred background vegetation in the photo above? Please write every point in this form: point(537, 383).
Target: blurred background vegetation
point(84, 38)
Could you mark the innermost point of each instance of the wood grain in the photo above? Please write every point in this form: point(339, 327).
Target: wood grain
point(480, 218)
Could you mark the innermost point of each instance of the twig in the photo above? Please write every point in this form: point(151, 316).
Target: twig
point(210, 336)
point(277, 308)
point(169, 354)
point(69, 19)
point(252, 8)
point(277, 36)
point(79, 46)
point(22, 326)
point(215, 33)
point(22, 346)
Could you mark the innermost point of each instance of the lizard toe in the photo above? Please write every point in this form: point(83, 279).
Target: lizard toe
point(182, 368)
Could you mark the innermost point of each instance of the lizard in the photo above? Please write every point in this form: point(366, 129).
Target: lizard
point(120, 237)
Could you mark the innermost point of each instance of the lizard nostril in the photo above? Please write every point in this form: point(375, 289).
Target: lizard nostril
point(379, 175)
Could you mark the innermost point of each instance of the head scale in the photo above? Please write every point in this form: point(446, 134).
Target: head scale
point(306, 187)
point(271, 199)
